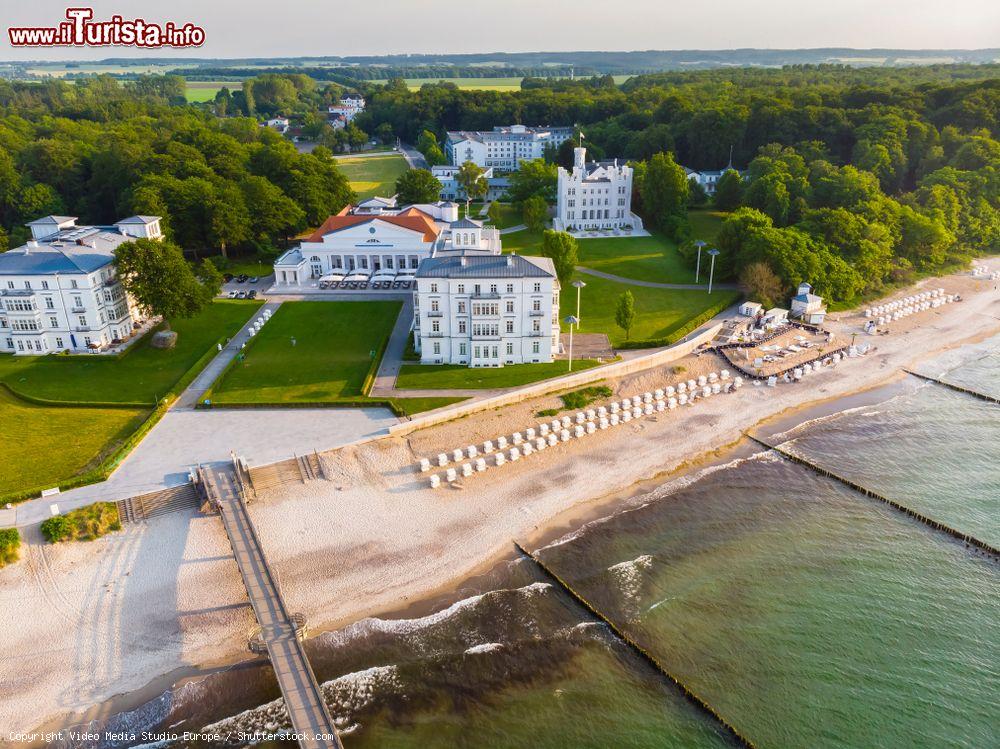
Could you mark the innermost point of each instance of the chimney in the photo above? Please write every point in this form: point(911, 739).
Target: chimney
point(30, 245)
point(509, 259)
point(461, 261)
point(579, 158)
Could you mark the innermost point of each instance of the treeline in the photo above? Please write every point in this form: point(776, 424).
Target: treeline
point(100, 150)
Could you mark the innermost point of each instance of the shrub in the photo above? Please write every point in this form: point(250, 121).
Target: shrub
point(10, 546)
point(83, 524)
point(580, 398)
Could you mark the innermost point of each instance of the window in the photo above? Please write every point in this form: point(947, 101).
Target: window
point(436, 326)
point(77, 301)
point(461, 326)
point(45, 284)
point(510, 305)
point(493, 288)
point(72, 284)
point(53, 322)
point(59, 342)
point(435, 307)
point(437, 347)
point(49, 304)
point(510, 349)
point(463, 349)
point(461, 308)
point(478, 289)
point(434, 288)
point(83, 320)
point(537, 305)
point(27, 284)
point(10, 284)
point(538, 287)
point(461, 288)
point(510, 288)
point(535, 347)
point(510, 326)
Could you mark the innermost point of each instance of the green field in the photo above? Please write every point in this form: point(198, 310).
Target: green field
point(659, 313)
point(201, 91)
point(335, 347)
point(142, 375)
point(43, 445)
point(509, 216)
point(373, 175)
point(458, 376)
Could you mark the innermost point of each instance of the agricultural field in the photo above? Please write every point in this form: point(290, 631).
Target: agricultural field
point(310, 352)
point(202, 91)
point(373, 175)
point(483, 84)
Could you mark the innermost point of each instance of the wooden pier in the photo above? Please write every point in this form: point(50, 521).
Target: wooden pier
point(651, 659)
point(930, 522)
point(279, 631)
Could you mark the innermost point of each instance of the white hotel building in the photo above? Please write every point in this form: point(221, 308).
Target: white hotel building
point(376, 236)
point(486, 310)
point(60, 291)
point(595, 196)
point(503, 147)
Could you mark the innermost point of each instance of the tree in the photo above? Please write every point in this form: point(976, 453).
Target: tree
point(762, 283)
point(729, 191)
point(162, 282)
point(665, 193)
point(271, 212)
point(471, 181)
point(418, 186)
point(427, 144)
point(697, 197)
point(534, 177)
point(494, 213)
point(384, 133)
point(625, 313)
point(561, 248)
point(534, 212)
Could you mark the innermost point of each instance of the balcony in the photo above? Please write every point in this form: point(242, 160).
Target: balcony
point(536, 313)
point(77, 308)
point(434, 334)
point(82, 329)
point(537, 333)
point(485, 295)
point(435, 313)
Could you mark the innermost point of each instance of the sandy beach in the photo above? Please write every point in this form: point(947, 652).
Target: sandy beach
point(86, 622)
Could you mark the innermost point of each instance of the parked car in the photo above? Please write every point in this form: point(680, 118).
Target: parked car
point(227, 277)
point(254, 279)
point(241, 278)
point(232, 294)
point(252, 294)
point(324, 284)
point(241, 295)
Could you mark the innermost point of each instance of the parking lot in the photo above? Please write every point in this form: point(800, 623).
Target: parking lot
point(245, 287)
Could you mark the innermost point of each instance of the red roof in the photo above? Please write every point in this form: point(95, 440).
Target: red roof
point(412, 219)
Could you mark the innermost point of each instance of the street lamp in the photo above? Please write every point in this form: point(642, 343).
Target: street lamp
point(713, 252)
point(571, 321)
point(579, 285)
point(699, 243)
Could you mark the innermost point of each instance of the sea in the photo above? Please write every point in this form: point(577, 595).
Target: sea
point(803, 612)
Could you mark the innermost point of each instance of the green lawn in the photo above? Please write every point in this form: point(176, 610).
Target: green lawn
point(658, 312)
point(412, 406)
point(202, 91)
point(42, 445)
point(654, 258)
point(446, 376)
point(509, 216)
point(142, 375)
point(333, 352)
point(373, 175)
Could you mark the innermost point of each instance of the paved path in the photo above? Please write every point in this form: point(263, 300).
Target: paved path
point(392, 360)
point(652, 284)
point(187, 437)
point(192, 395)
point(413, 157)
point(302, 694)
point(512, 229)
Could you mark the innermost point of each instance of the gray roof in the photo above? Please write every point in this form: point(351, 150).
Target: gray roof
point(808, 298)
point(48, 260)
point(138, 220)
point(486, 266)
point(51, 220)
point(466, 223)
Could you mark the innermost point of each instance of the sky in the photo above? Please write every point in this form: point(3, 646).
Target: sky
point(285, 28)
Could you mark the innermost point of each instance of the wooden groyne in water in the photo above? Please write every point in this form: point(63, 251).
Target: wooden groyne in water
point(693, 698)
point(957, 388)
point(930, 522)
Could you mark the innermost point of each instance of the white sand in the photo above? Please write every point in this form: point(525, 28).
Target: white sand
point(84, 622)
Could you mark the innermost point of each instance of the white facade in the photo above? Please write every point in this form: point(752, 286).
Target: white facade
point(60, 291)
point(280, 124)
point(349, 107)
point(709, 180)
point(486, 311)
point(376, 236)
point(808, 307)
point(595, 196)
point(503, 147)
point(496, 187)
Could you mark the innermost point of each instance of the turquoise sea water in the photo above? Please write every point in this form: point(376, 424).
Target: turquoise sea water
point(807, 614)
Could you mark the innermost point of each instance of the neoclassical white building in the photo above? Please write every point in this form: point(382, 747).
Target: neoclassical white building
point(503, 147)
point(496, 186)
point(376, 236)
point(60, 291)
point(595, 196)
point(486, 310)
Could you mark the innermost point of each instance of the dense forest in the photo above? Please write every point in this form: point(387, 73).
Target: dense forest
point(101, 150)
point(852, 178)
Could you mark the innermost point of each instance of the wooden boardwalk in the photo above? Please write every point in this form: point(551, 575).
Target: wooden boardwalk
point(311, 720)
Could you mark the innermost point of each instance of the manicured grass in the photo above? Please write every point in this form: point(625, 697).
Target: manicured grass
point(373, 175)
point(447, 376)
point(658, 312)
point(706, 224)
point(143, 375)
point(335, 345)
point(509, 216)
point(202, 91)
point(44, 445)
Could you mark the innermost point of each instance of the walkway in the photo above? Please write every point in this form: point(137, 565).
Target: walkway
point(512, 229)
point(413, 157)
point(653, 284)
point(192, 395)
point(392, 359)
point(303, 696)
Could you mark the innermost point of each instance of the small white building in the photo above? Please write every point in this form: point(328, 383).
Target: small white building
point(808, 307)
point(503, 147)
point(751, 309)
point(774, 317)
point(349, 107)
point(709, 179)
point(60, 290)
point(376, 235)
point(595, 196)
point(486, 310)
point(280, 124)
point(496, 187)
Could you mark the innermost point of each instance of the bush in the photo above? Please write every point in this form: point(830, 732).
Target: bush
point(577, 399)
point(83, 524)
point(10, 546)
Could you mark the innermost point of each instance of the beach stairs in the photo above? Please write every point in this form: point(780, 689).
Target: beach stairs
point(297, 470)
point(154, 504)
point(310, 467)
